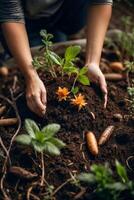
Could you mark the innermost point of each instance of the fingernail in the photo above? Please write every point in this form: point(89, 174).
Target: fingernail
point(44, 111)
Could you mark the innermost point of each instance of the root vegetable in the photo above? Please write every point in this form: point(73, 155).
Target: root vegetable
point(106, 135)
point(92, 143)
point(8, 121)
point(22, 173)
point(114, 77)
point(2, 110)
point(4, 71)
point(116, 66)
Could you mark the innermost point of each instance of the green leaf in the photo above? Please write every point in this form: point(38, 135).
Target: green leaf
point(40, 136)
point(121, 171)
point(39, 147)
point(116, 186)
point(31, 127)
point(84, 80)
point(51, 149)
point(50, 130)
point(23, 139)
point(58, 143)
point(87, 178)
point(72, 52)
point(83, 71)
point(75, 90)
point(55, 58)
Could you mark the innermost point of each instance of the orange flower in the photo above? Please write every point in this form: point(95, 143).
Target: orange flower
point(62, 93)
point(79, 101)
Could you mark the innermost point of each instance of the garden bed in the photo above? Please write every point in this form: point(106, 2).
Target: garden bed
point(75, 157)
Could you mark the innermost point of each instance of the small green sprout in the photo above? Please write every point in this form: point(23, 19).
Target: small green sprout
point(43, 140)
point(101, 177)
point(54, 64)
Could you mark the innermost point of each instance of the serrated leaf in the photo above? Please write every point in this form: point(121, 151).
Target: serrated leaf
point(23, 139)
point(58, 143)
point(84, 80)
point(72, 52)
point(50, 130)
point(51, 149)
point(83, 71)
point(87, 178)
point(31, 127)
point(75, 90)
point(121, 171)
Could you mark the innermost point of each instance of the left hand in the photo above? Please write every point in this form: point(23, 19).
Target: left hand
point(95, 75)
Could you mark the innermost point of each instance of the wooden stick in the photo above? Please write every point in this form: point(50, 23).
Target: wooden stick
point(8, 121)
point(2, 110)
point(114, 77)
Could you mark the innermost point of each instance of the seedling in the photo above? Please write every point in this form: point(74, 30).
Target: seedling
point(54, 64)
point(101, 177)
point(43, 140)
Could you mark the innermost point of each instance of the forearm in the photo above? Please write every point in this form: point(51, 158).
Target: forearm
point(98, 20)
point(17, 40)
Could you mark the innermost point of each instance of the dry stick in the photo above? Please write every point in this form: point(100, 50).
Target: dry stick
point(61, 186)
point(114, 77)
point(2, 110)
point(43, 169)
point(127, 162)
point(12, 104)
point(34, 196)
point(3, 146)
point(8, 121)
point(30, 190)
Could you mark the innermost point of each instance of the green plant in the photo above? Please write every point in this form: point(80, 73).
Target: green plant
point(131, 95)
point(43, 140)
point(101, 177)
point(124, 39)
point(65, 66)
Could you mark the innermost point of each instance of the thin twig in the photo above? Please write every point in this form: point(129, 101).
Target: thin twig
point(61, 186)
point(13, 105)
point(43, 169)
point(3, 146)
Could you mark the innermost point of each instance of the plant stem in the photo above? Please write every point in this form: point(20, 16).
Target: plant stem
point(43, 169)
point(74, 82)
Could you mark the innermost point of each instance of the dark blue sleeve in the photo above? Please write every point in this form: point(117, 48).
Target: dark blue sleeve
point(11, 10)
point(102, 2)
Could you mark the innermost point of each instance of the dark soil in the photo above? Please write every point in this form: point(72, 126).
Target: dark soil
point(74, 125)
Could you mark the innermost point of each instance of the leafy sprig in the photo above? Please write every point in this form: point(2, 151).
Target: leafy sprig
point(101, 176)
point(43, 140)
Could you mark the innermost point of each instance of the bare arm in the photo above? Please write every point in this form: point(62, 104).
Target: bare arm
point(98, 20)
point(17, 40)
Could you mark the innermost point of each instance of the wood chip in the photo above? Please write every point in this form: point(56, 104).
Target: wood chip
point(22, 173)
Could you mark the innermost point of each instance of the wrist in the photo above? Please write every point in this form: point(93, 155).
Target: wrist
point(30, 75)
point(92, 64)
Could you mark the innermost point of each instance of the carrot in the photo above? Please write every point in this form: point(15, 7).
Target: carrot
point(106, 135)
point(92, 143)
point(4, 71)
point(22, 173)
point(8, 121)
point(114, 77)
point(116, 66)
point(2, 110)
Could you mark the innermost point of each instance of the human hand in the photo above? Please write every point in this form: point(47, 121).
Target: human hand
point(96, 76)
point(36, 95)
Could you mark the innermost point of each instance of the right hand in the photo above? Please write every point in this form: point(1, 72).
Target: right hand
point(36, 95)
